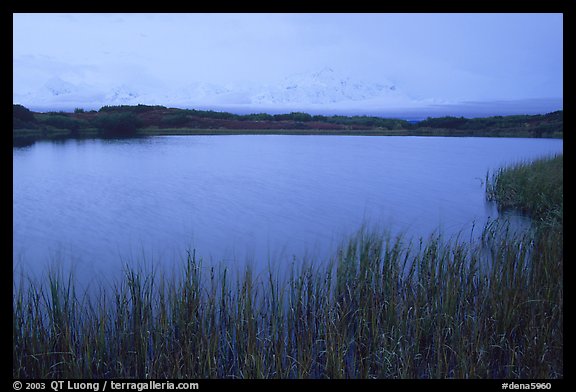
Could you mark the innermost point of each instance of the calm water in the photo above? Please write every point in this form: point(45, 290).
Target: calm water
point(95, 204)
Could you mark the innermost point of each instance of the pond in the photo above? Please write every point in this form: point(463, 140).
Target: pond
point(96, 204)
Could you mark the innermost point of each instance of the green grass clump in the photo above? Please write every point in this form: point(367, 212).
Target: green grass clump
point(536, 188)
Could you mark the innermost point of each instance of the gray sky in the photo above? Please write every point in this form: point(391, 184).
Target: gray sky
point(455, 57)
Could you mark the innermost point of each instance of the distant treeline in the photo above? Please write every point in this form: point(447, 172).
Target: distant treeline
point(179, 117)
point(539, 125)
point(129, 120)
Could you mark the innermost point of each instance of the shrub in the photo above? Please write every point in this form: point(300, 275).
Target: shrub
point(131, 108)
point(63, 122)
point(174, 120)
point(117, 124)
point(22, 117)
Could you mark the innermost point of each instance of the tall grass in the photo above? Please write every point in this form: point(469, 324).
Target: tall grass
point(537, 188)
point(383, 307)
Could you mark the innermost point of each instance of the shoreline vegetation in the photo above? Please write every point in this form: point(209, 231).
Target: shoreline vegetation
point(146, 120)
point(383, 307)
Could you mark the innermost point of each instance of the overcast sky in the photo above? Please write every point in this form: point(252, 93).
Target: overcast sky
point(462, 57)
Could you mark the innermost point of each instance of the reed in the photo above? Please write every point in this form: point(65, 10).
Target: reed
point(536, 188)
point(382, 309)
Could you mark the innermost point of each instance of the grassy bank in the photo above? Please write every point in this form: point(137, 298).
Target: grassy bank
point(344, 132)
point(384, 307)
point(536, 188)
point(25, 137)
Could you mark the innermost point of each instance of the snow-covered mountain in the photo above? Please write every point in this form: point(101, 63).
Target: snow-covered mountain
point(57, 93)
point(324, 88)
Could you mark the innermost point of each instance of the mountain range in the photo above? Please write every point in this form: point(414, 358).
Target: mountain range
point(325, 87)
point(324, 91)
